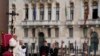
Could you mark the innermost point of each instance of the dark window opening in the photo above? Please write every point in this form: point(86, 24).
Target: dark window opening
point(33, 32)
point(70, 32)
point(26, 11)
point(71, 10)
point(95, 13)
point(49, 11)
point(57, 11)
point(25, 32)
point(49, 15)
point(49, 32)
point(95, 10)
point(71, 14)
point(56, 32)
point(34, 11)
point(41, 12)
point(57, 15)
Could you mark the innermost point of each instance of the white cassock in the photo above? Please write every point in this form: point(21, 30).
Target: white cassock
point(21, 51)
point(15, 44)
point(12, 42)
point(17, 51)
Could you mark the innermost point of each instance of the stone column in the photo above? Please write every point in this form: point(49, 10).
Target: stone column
point(38, 12)
point(46, 32)
point(90, 9)
point(98, 8)
point(46, 11)
point(30, 12)
point(62, 31)
point(29, 32)
point(53, 11)
point(36, 33)
point(53, 32)
point(68, 11)
point(82, 10)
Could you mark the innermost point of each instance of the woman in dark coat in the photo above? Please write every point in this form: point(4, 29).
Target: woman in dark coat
point(94, 41)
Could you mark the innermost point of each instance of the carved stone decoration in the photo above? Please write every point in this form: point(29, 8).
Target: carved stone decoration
point(94, 2)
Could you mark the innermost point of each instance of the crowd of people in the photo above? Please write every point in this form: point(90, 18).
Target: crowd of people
point(17, 48)
point(45, 50)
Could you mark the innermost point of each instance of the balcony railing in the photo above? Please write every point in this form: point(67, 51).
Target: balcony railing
point(42, 1)
point(38, 22)
point(69, 22)
point(89, 22)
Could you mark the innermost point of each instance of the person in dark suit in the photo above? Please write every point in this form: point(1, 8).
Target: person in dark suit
point(54, 50)
point(94, 41)
point(44, 50)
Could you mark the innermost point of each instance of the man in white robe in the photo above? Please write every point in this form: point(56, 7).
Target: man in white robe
point(14, 43)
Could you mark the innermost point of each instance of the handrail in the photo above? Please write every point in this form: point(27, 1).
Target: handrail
point(40, 21)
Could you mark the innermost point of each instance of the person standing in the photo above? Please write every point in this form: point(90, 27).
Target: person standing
point(35, 50)
point(54, 50)
point(13, 43)
point(94, 40)
point(5, 41)
point(44, 50)
point(8, 53)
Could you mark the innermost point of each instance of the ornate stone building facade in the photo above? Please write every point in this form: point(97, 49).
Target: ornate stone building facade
point(54, 20)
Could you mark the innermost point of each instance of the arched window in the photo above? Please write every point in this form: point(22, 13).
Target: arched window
point(49, 32)
point(95, 9)
point(41, 12)
point(71, 10)
point(49, 11)
point(26, 11)
point(57, 11)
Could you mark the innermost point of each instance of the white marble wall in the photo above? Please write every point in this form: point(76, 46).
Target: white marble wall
point(63, 29)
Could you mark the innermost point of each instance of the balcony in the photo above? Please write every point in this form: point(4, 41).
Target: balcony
point(41, 1)
point(89, 22)
point(39, 23)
